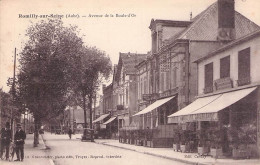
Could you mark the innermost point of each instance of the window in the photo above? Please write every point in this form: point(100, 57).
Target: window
point(126, 93)
point(162, 81)
point(209, 78)
point(244, 67)
point(141, 90)
point(174, 77)
point(168, 80)
point(225, 67)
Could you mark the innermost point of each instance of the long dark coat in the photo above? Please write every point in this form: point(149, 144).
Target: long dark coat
point(19, 137)
point(6, 136)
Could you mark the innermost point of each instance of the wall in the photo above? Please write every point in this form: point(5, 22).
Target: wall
point(254, 45)
point(198, 49)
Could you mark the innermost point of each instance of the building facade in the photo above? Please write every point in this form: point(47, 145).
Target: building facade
point(120, 96)
point(224, 118)
point(172, 77)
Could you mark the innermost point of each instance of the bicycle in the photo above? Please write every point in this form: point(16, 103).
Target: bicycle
point(11, 152)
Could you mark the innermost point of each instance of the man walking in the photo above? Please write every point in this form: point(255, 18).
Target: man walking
point(19, 138)
point(6, 138)
point(70, 133)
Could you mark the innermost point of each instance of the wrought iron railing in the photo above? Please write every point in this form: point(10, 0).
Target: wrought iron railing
point(244, 81)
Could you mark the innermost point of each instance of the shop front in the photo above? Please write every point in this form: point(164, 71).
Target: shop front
point(155, 131)
point(111, 127)
point(221, 125)
point(99, 127)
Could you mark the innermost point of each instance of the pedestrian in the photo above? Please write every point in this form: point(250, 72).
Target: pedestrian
point(19, 138)
point(70, 133)
point(6, 139)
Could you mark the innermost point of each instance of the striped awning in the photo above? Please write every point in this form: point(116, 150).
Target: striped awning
point(207, 108)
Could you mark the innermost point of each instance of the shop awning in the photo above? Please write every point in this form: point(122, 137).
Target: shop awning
point(100, 118)
point(208, 111)
point(197, 104)
point(154, 105)
point(109, 120)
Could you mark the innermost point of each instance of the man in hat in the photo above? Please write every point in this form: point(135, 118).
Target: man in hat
point(6, 138)
point(19, 138)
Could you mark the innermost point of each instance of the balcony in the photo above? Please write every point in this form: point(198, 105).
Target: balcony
point(208, 89)
point(223, 83)
point(120, 107)
point(244, 81)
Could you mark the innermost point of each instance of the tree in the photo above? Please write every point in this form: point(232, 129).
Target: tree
point(43, 79)
point(92, 66)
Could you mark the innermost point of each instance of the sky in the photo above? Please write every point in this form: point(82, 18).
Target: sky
point(110, 34)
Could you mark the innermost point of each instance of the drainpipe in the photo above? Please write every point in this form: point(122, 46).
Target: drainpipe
point(188, 75)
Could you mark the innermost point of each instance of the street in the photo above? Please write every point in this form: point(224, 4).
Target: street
point(66, 152)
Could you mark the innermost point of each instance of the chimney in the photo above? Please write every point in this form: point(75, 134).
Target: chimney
point(226, 20)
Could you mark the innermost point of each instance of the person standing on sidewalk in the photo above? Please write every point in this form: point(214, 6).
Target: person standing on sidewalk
point(6, 138)
point(19, 138)
point(70, 133)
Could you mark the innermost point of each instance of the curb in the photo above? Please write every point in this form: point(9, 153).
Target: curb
point(152, 154)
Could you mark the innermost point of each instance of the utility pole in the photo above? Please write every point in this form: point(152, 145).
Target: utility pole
point(13, 94)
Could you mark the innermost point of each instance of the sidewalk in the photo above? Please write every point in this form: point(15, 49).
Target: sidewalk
point(32, 155)
point(168, 153)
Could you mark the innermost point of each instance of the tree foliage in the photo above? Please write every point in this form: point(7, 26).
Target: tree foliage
point(43, 78)
point(57, 69)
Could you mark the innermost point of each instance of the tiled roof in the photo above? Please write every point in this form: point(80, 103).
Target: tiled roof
point(205, 26)
point(230, 44)
point(130, 60)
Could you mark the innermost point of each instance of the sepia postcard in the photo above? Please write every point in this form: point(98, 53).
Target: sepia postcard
point(126, 82)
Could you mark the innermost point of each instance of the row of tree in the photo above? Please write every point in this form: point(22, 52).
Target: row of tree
point(56, 70)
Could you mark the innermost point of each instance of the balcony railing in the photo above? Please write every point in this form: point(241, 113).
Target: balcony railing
point(208, 89)
point(223, 83)
point(244, 81)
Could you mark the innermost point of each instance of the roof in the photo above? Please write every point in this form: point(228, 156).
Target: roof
point(205, 26)
point(230, 45)
point(169, 23)
point(130, 60)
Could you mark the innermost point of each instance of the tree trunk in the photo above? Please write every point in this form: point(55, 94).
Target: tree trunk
point(85, 112)
point(36, 132)
point(90, 114)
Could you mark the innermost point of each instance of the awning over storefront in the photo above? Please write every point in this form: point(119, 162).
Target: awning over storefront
point(209, 113)
point(197, 104)
point(109, 120)
point(154, 105)
point(209, 106)
point(100, 118)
